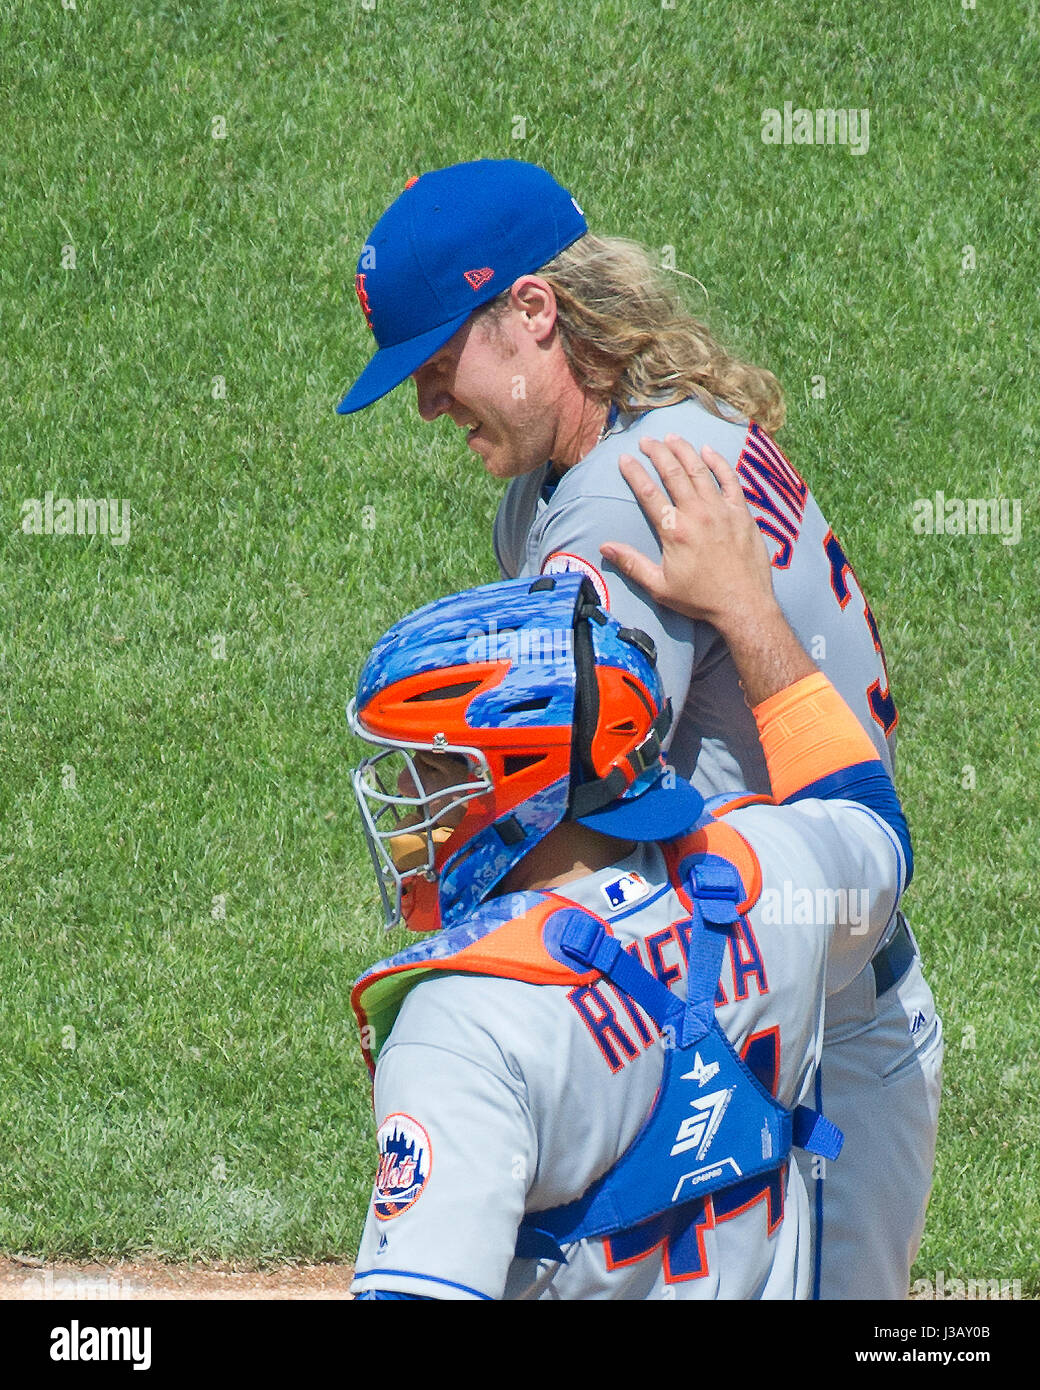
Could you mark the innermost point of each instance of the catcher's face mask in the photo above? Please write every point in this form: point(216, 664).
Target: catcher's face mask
point(412, 799)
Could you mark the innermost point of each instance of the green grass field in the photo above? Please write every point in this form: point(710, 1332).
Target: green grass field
point(184, 893)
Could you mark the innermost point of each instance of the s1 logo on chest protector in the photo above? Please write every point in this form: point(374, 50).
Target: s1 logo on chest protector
point(700, 1129)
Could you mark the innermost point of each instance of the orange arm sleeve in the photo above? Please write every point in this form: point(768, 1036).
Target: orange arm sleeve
point(808, 732)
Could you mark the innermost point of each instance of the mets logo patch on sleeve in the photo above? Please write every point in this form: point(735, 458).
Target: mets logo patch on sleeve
point(405, 1159)
point(563, 562)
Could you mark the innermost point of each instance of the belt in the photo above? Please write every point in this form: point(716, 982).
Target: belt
point(894, 959)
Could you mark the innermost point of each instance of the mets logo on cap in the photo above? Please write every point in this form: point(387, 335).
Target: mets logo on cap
point(362, 294)
point(405, 1159)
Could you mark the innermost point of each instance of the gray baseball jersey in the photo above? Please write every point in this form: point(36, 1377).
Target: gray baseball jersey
point(881, 1076)
point(509, 1097)
point(714, 742)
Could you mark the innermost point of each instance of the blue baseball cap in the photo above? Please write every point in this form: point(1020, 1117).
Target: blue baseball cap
point(669, 807)
point(454, 239)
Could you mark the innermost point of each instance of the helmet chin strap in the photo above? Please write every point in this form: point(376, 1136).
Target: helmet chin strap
point(589, 791)
point(586, 695)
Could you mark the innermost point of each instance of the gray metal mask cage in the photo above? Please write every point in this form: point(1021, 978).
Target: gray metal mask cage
point(388, 814)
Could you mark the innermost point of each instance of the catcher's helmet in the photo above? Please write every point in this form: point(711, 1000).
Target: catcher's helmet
point(550, 709)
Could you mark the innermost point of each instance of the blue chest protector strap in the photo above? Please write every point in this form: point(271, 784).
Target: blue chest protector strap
point(714, 1123)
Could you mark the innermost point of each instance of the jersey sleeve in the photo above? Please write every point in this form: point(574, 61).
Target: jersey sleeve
point(571, 540)
point(513, 519)
point(456, 1148)
point(816, 747)
point(851, 845)
point(503, 541)
point(831, 865)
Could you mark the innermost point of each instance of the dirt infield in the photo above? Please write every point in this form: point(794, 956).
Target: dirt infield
point(28, 1278)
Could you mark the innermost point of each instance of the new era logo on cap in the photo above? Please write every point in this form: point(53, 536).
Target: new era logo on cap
point(479, 277)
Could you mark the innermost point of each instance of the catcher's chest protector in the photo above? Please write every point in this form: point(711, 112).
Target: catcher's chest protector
point(709, 1102)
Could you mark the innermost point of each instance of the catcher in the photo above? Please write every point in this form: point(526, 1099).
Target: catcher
point(590, 1079)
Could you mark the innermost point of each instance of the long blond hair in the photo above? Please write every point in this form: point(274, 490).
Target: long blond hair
point(628, 338)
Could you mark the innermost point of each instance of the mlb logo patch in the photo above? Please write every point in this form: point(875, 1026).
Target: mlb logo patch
point(629, 888)
point(405, 1160)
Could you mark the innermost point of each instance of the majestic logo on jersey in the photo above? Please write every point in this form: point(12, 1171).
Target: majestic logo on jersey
point(405, 1159)
point(697, 1131)
point(701, 1074)
point(629, 888)
point(563, 562)
point(917, 1022)
point(476, 278)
